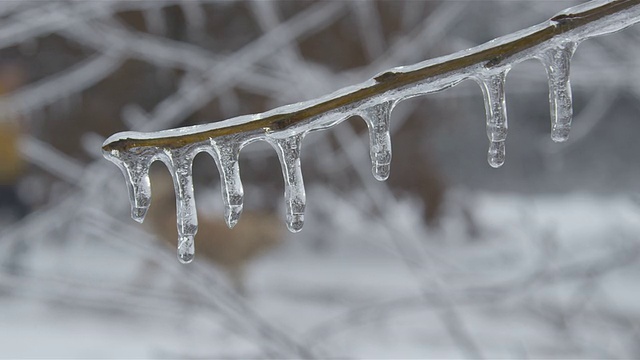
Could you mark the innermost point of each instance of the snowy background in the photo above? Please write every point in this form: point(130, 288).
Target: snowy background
point(448, 258)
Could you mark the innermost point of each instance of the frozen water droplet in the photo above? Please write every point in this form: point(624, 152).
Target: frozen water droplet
point(378, 118)
point(186, 249)
point(226, 155)
point(187, 217)
point(496, 154)
point(288, 150)
point(138, 213)
point(557, 63)
point(381, 170)
point(295, 222)
point(496, 113)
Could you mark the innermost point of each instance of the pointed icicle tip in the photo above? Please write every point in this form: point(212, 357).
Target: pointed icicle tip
point(232, 215)
point(186, 249)
point(138, 213)
point(136, 175)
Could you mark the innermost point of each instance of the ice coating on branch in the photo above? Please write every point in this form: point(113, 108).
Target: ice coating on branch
point(284, 127)
point(180, 163)
point(582, 7)
point(288, 150)
point(492, 86)
point(225, 152)
point(377, 118)
point(557, 62)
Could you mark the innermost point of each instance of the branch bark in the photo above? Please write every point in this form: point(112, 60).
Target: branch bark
point(574, 24)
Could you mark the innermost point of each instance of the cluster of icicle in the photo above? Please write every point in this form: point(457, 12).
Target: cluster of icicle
point(554, 54)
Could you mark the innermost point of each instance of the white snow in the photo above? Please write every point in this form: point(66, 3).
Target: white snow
point(547, 276)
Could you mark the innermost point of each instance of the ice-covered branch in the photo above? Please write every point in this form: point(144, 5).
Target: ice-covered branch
point(178, 106)
point(403, 82)
point(552, 42)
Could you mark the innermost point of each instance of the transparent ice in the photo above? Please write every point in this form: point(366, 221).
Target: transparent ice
point(556, 61)
point(226, 156)
point(378, 119)
point(288, 150)
point(135, 168)
point(180, 164)
point(555, 54)
point(495, 106)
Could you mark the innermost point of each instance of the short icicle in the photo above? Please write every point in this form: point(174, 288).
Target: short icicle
point(135, 168)
point(557, 63)
point(226, 157)
point(378, 118)
point(187, 217)
point(288, 150)
point(494, 101)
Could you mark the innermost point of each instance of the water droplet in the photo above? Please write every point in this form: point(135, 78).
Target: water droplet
point(496, 154)
point(288, 150)
point(378, 118)
point(186, 249)
point(496, 114)
point(557, 64)
point(225, 153)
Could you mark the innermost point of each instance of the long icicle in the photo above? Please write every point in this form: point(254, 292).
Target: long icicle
point(557, 64)
point(226, 157)
point(187, 218)
point(288, 150)
point(492, 87)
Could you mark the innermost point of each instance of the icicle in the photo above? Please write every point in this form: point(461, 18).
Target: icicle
point(557, 62)
point(187, 218)
point(377, 118)
point(226, 158)
point(289, 153)
point(494, 101)
point(135, 168)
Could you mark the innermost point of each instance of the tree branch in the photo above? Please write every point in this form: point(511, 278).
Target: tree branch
point(572, 25)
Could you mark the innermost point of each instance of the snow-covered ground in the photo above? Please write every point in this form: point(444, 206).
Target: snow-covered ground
point(545, 276)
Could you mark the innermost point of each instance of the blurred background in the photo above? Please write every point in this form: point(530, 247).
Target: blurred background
point(448, 258)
